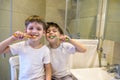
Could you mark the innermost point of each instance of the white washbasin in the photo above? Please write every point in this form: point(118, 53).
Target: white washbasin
point(91, 74)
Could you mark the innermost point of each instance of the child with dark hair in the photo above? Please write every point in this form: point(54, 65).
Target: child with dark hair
point(61, 46)
point(34, 56)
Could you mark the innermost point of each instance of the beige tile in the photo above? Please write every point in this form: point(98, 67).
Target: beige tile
point(5, 5)
point(4, 18)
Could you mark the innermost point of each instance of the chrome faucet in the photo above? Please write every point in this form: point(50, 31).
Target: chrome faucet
point(114, 69)
point(117, 66)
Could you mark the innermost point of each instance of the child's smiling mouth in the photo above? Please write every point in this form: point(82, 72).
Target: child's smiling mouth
point(52, 37)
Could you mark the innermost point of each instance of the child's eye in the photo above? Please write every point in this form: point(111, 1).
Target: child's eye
point(31, 28)
point(38, 29)
point(54, 31)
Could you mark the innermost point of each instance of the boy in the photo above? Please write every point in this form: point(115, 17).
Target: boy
point(61, 46)
point(33, 55)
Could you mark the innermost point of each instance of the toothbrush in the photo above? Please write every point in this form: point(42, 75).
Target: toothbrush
point(52, 37)
point(25, 35)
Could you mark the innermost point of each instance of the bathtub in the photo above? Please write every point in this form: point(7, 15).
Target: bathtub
point(88, 59)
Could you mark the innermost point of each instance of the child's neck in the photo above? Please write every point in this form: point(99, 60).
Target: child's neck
point(55, 45)
point(35, 45)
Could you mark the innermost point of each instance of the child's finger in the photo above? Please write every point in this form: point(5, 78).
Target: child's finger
point(64, 38)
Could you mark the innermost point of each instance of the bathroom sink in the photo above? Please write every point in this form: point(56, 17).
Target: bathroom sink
point(91, 74)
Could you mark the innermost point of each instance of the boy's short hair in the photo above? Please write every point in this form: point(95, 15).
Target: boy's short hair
point(35, 18)
point(52, 24)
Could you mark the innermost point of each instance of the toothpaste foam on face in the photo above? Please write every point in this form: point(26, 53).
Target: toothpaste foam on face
point(51, 37)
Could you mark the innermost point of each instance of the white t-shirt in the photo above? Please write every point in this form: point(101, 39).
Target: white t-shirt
point(31, 60)
point(60, 59)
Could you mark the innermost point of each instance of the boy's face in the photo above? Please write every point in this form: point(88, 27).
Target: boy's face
point(52, 32)
point(35, 29)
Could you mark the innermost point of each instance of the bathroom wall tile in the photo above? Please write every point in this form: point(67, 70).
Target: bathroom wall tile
point(4, 24)
point(113, 11)
point(4, 32)
point(56, 3)
point(21, 12)
point(55, 11)
point(4, 18)
point(116, 57)
point(112, 50)
point(56, 17)
point(5, 5)
point(29, 7)
point(112, 33)
point(113, 20)
point(108, 49)
point(19, 20)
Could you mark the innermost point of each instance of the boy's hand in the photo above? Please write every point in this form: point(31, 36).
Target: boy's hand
point(18, 35)
point(64, 38)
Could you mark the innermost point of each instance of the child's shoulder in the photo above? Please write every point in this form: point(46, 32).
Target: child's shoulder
point(66, 43)
point(19, 43)
point(45, 46)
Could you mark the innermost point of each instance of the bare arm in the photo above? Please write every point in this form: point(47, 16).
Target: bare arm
point(80, 47)
point(48, 71)
point(4, 45)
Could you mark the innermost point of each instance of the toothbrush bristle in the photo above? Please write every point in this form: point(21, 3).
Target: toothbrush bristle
point(52, 37)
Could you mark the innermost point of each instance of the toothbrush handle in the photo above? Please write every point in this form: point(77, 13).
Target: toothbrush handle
point(25, 35)
point(66, 39)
